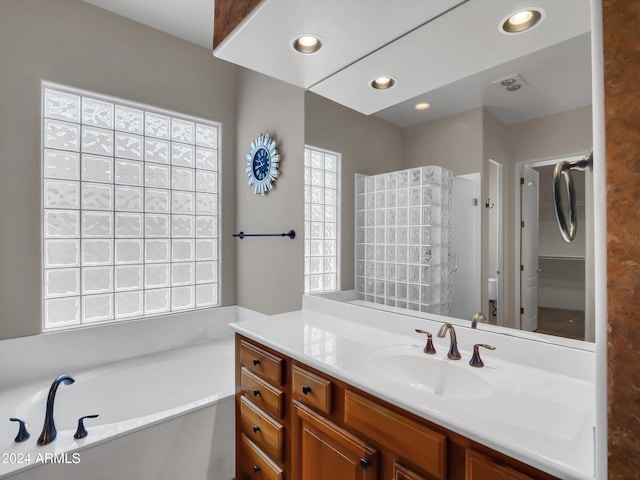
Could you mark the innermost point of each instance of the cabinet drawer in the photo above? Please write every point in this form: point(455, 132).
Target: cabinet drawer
point(421, 445)
point(255, 464)
point(403, 473)
point(311, 389)
point(261, 362)
point(481, 467)
point(262, 429)
point(262, 393)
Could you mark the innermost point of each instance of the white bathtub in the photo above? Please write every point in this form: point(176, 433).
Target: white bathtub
point(164, 415)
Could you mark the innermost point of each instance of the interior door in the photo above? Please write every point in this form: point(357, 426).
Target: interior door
point(529, 200)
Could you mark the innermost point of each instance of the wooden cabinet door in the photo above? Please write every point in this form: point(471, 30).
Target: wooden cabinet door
point(481, 467)
point(324, 451)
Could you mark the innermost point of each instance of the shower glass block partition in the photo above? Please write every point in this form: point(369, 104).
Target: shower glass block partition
point(403, 239)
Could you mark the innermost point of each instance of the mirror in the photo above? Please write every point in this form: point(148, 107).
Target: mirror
point(490, 138)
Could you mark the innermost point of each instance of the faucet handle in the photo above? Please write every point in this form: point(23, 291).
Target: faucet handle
point(22, 430)
point(81, 432)
point(428, 348)
point(476, 361)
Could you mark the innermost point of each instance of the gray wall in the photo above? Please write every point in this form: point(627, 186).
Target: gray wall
point(496, 147)
point(453, 142)
point(77, 44)
point(555, 136)
point(270, 270)
point(458, 142)
point(368, 144)
point(464, 143)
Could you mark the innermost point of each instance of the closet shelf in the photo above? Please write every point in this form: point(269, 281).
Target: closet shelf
point(562, 257)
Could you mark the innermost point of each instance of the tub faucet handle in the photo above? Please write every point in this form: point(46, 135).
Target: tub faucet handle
point(22, 430)
point(476, 361)
point(81, 432)
point(428, 348)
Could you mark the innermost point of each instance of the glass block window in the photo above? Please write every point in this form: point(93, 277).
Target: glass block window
point(321, 225)
point(130, 209)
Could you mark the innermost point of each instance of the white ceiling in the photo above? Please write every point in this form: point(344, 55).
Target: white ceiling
point(461, 43)
point(557, 78)
point(349, 30)
point(191, 20)
point(447, 60)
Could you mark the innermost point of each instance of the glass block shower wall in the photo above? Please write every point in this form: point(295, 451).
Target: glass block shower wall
point(403, 239)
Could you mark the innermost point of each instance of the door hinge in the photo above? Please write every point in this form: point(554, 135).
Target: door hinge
point(521, 268)
point(522, 224)
point(474, 202)
point(521, 180)
point(521, 311)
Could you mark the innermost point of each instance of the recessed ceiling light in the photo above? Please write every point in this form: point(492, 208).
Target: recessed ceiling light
point(307, 43)
point(521, 20)
point(382, 83)
point(422, 106)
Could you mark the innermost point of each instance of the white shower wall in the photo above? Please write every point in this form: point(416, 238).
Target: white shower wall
point(403, 239)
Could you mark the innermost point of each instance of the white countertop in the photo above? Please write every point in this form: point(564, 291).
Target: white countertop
point(539, 407)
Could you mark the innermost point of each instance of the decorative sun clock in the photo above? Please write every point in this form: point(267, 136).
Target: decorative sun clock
point(262, 164)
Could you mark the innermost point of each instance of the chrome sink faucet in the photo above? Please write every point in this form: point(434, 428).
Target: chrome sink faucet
point(453, 354)
point(49, 432)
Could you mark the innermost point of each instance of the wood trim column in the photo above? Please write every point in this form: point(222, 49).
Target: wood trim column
point(227, 14)
point(622, 128)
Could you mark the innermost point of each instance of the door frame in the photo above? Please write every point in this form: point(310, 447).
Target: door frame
point(540, 162)
point(500, 254)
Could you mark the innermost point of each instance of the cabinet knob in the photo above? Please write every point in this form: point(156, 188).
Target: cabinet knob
point(256, 393)
point(256, 361)
point(256, 469)
point(306, 389)
point(256, 429)
point(364, 463)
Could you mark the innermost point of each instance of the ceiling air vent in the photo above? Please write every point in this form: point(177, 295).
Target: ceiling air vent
point(512, 83)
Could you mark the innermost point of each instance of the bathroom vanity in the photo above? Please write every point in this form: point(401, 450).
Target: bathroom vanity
point(350, 394)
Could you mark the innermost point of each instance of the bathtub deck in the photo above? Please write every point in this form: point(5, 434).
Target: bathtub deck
point(129, 395)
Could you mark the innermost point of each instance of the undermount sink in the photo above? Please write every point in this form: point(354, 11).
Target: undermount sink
point(408, 365)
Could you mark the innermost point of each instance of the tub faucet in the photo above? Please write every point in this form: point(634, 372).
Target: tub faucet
point(453, 354)
point(49, 432)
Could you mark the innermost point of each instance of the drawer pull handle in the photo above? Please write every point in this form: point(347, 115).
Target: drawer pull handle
point(364, 463)
point(256, 469)
point(256, 393)
point(256, 362)
point(256, 429)
point(306, 389)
